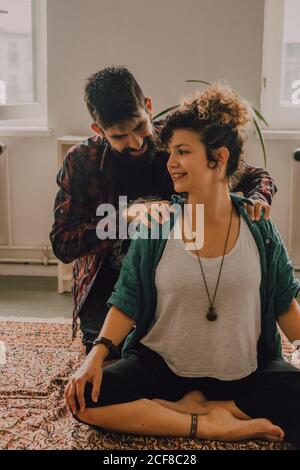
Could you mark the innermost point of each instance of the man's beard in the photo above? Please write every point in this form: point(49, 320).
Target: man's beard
point(148, 154)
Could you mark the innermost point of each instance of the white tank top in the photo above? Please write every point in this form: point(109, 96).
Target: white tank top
point(191, 345)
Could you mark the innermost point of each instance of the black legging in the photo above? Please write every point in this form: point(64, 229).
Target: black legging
point(272, 391)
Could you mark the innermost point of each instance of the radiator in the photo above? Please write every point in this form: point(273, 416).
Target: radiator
point(9, 252)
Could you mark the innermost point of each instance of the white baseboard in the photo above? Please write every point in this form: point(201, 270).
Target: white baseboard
point(28, 270)
point(31, 254)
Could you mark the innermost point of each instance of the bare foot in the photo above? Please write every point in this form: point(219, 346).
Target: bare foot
point(221, 425)
point(193, 402)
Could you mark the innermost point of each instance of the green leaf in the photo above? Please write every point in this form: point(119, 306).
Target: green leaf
point(198, 81)
point(165, 111)
point(260, 116)
point(256, 123)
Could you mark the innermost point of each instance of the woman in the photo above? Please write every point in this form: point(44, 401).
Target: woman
point(204, 359)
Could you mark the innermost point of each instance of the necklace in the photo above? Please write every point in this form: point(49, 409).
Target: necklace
point(212, 314)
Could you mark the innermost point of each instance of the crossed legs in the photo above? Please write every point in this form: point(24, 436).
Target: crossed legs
point(163, 418)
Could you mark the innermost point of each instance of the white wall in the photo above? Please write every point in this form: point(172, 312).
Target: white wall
point(163, 43)
point(279, 162)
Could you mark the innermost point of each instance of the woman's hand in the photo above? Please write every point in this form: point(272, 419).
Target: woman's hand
point(91, 372)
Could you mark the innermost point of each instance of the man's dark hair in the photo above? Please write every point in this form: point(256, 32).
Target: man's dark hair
point(112, 96)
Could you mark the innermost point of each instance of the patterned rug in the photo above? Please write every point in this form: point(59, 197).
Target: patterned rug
point(39, 359)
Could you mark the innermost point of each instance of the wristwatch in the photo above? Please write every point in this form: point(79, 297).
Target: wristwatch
point(108, 343)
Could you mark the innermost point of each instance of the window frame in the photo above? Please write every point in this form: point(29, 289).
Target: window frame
point(34, 113)
point(278, 115)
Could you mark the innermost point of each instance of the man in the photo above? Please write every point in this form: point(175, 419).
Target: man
point(124, 158)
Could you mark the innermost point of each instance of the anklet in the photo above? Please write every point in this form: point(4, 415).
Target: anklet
point(194, 423)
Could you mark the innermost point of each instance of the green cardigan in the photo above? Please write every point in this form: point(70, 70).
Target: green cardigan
point(135, 291)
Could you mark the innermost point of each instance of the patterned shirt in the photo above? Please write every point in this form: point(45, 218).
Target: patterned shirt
point(90, 175)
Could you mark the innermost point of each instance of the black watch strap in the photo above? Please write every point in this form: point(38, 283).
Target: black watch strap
point(108, 343)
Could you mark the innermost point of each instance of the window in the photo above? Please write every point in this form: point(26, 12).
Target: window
point(281, 64)
point(22, 62)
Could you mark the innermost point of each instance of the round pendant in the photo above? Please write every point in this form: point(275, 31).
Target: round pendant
point(211, 314)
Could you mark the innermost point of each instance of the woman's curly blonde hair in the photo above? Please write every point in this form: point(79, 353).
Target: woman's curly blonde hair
point(220, 117)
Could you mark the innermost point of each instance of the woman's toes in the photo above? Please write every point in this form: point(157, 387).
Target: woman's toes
point(271, 431)
point(220, 424)
point(278, 433)
point(273, 437)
